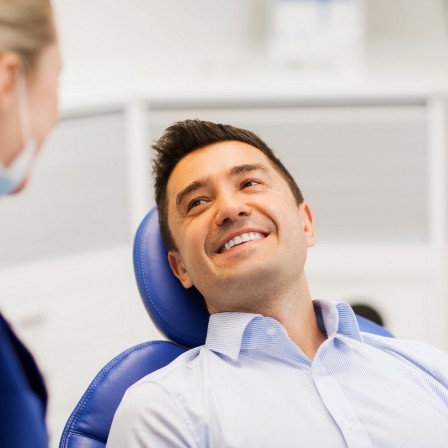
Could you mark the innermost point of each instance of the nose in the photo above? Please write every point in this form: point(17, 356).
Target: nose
point(230, 208)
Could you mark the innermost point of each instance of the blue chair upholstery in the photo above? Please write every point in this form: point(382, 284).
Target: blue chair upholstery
point(88, 425)
point(180, 314)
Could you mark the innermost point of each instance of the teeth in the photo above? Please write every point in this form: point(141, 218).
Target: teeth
point(243, 238)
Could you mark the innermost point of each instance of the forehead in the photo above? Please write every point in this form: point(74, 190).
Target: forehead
point(212, 161)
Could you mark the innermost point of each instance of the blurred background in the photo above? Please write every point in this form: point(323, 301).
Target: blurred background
point(352, 94)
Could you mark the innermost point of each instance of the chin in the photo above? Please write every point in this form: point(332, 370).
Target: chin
point(251, 279)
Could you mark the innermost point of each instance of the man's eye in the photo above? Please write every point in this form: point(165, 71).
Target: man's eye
point(195, 203)
point(250, 183)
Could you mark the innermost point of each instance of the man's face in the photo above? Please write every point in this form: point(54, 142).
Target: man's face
point(240, 234)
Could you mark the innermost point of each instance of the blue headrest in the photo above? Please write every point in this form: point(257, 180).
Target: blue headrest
point(179, 313)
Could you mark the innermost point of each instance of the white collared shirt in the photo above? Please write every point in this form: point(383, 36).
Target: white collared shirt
point(251, 386)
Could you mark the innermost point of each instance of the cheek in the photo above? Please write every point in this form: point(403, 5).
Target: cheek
point(191, 246)
point(44, 113)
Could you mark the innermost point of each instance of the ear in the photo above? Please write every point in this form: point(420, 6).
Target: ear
point(308, 223)
point(178, 268)
point(9, 67)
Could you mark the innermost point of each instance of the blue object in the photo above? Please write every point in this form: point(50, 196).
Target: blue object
point(23, 397)
point(89, 424)
point(180, 314)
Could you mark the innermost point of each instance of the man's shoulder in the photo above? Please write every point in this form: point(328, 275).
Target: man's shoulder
point(176, 371)
point(424, 356)
point(398, 344)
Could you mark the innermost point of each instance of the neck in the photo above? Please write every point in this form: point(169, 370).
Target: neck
point(302, 328)
point(292, 307)
point(299, 320)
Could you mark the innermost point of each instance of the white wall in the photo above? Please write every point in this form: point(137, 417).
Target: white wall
point(419, 20)
point(115, 41)
point(165, 30)
point(143, 34)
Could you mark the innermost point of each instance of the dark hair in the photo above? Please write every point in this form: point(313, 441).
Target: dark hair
point(184, 137)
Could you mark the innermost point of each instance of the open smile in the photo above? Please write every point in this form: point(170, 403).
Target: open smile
point(242, 238)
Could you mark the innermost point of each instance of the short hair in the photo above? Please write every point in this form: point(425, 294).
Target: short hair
point(184, 137)
point(26, 28)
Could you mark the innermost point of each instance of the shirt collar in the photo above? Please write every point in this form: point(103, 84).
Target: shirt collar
point(337, 318)
point(225, 332)
point(228, 333)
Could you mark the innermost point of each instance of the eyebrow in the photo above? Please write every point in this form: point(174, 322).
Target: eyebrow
point(204, 182)
point(246, 168)
point(194, 186)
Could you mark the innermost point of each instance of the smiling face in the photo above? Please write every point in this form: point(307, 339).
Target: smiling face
point(241, 236)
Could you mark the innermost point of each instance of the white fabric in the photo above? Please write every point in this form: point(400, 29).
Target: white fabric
point(251, 386)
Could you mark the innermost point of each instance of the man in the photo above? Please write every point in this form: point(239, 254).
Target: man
point(277, 369)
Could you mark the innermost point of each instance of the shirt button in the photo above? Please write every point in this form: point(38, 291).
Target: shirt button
point(347, 424)
point(271, 331)
point(318, 370)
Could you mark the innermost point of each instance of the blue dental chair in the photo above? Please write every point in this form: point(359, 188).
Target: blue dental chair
point(178, 313)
